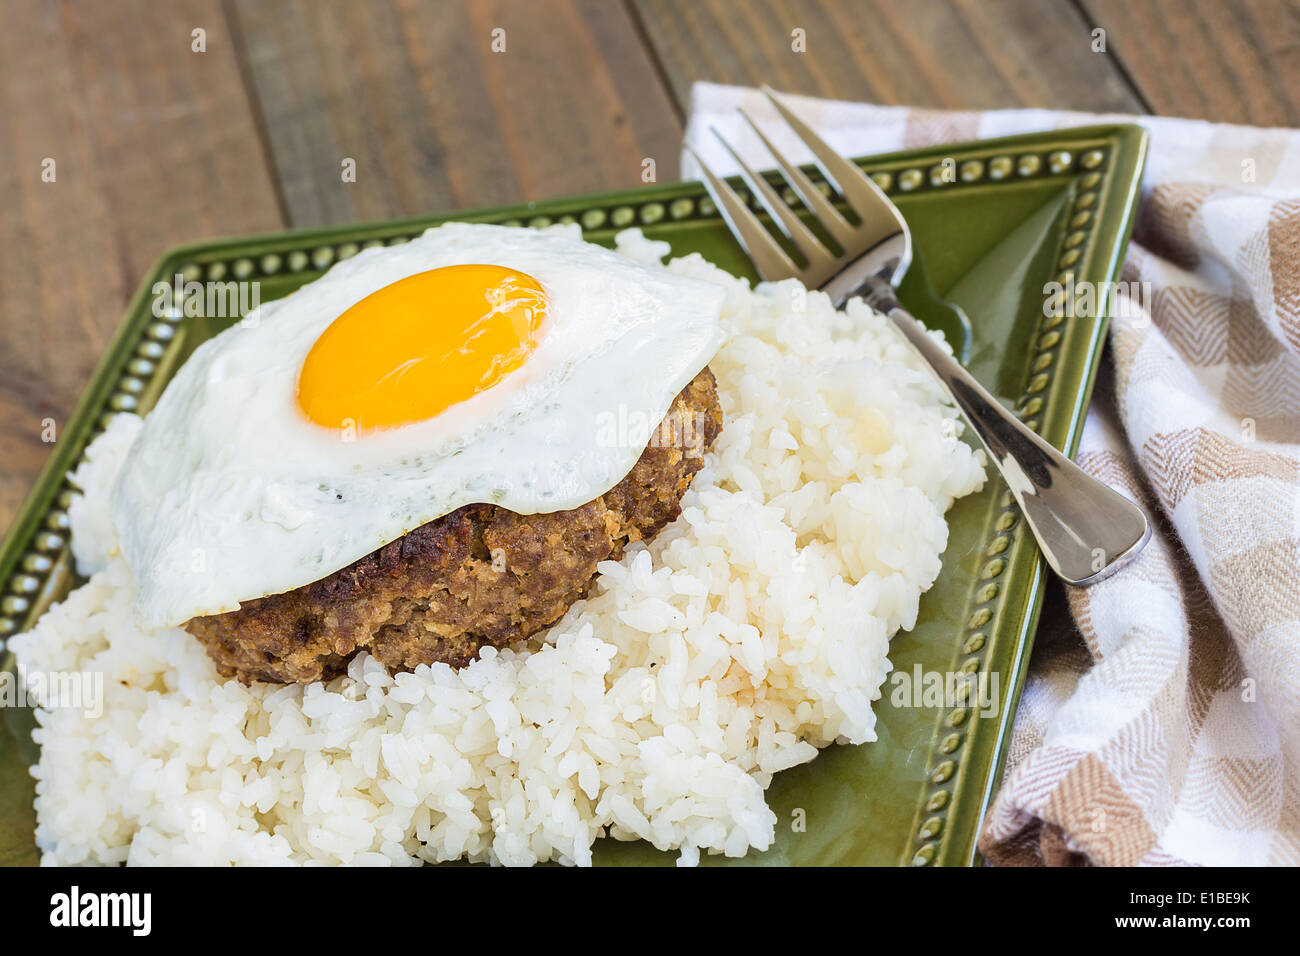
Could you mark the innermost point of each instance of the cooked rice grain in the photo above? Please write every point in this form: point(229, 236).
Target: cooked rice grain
point(750, 632)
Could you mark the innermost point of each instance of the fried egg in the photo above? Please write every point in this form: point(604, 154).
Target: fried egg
point(475, 364)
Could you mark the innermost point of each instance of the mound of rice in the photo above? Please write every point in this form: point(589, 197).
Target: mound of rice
point(748, 634)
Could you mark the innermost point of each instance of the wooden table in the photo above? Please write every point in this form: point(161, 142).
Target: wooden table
point(155, 142)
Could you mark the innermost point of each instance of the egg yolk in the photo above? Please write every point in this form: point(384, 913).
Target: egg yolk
point(420, 345)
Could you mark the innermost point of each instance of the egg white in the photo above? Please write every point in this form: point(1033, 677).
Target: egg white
point(230, 493)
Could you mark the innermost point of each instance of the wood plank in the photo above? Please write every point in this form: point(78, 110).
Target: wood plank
point(434, 119)
point(1230, 61)
point(937, 53)
point(153, 145)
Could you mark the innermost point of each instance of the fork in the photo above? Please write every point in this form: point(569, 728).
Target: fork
point(1085, 529)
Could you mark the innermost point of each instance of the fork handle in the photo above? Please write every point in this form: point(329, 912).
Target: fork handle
point(1086, 530)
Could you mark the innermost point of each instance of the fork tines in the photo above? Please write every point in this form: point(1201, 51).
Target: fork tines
point(820, 263)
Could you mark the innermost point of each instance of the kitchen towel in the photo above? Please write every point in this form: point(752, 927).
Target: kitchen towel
point(1161, 726)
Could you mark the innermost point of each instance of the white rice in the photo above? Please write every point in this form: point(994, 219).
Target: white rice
point(749, 633)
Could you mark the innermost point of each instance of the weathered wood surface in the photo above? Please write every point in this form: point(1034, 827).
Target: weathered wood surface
point(154, 143)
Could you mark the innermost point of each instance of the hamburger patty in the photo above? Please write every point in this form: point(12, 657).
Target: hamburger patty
point(478, 576)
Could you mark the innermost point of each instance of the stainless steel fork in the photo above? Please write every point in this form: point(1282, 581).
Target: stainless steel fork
point(1085, 529)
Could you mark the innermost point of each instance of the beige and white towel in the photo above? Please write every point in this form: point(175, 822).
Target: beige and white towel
point(1164, 727)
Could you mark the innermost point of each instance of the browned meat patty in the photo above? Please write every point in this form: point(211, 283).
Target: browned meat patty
point(478, 576)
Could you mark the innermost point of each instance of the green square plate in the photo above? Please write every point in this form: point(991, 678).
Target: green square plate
point(994, 221)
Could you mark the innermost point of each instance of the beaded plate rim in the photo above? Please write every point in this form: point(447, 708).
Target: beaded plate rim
point(1104, 161)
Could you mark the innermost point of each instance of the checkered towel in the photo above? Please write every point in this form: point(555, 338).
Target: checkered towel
point(1164, 726)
